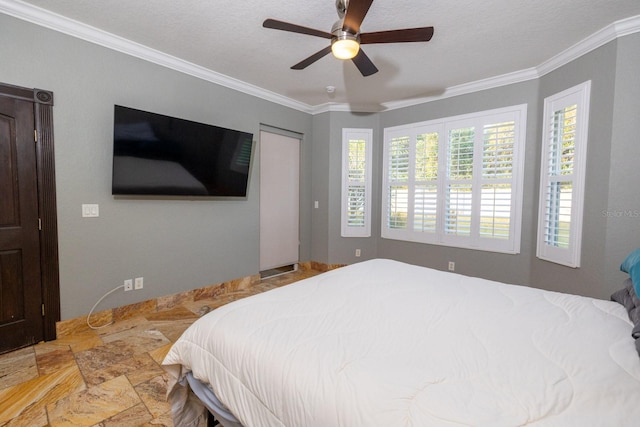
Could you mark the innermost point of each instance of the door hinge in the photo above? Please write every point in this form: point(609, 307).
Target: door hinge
point(39, 224)
point(35, 135)
point(42, 310)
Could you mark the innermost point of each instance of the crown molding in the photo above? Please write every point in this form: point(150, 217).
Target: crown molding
point(45, 18)
point(611, 32)
point(348, 108)
point(466, 88)
point(607, 34)
point(624, 27)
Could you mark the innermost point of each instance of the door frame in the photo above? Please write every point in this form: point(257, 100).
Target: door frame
point(45, 163)
point(298, 137)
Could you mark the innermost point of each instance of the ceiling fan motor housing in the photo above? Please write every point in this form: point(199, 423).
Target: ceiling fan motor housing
point(338, 33)
point(349, 42)
point(341, 7)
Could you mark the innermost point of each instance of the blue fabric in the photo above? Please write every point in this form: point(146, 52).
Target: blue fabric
point(631, 265)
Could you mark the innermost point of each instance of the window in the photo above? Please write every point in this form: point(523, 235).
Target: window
point(356, 182)
point(564, 155)
point(456, 181)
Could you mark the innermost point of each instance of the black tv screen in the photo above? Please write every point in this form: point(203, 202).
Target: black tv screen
point(159, 155)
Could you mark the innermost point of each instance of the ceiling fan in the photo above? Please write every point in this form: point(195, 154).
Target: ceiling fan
point(346, 37)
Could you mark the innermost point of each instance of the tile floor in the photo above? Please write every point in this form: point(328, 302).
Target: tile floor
point(106, 377)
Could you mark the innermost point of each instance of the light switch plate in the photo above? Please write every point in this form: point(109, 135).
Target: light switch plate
point(90, 211)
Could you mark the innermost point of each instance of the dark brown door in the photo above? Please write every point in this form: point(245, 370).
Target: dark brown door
point(21, 319)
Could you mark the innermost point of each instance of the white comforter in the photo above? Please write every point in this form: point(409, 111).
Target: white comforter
point(383, 343)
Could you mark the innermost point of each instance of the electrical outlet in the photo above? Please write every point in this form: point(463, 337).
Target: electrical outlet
point(139, 283)
point(358, 252)
point(452, 266)
point(128, 285)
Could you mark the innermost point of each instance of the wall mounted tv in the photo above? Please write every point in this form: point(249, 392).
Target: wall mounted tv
point(157, 155)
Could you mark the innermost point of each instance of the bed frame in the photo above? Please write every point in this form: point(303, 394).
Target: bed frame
point(216, 409)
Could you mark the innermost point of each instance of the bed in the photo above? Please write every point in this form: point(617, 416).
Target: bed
point(384, 343)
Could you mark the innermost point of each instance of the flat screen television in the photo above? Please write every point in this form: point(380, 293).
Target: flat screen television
point(157, 155)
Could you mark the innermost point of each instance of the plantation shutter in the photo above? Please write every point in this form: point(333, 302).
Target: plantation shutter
point(356, 170)
point(456, 181)
point(459, 186)
point(562, 176)
point(497, 174)
point(425, 200)
point(398, 167)
point(562, 146)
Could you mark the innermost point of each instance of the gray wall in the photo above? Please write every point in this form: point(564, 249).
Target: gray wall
point(612, 197)
point(599, 67)
point(327, 244)
point(509, 268)
point(320, 187)
point(490, 265)
point(612, 206)
point(623, 204)
point(176, 245)
point(342, 249)
point(179, 245)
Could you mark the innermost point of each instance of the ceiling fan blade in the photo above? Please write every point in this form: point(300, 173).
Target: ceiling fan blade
point(422, 34)
point(313, 58)
point(364, 64)
point(293, 28)
point(356, 11)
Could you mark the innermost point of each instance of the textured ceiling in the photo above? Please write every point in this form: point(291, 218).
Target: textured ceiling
point(473, 41)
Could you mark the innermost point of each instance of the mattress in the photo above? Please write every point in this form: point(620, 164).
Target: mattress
point(391, 344)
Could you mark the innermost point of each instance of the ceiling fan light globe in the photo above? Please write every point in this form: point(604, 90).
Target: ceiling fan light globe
point(345, 48)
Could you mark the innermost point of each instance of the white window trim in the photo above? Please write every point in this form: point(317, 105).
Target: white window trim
point(518, 113)
point(347, 135)
point(579, 95)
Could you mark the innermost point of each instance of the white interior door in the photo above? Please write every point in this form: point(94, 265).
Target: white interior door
point(279, 200)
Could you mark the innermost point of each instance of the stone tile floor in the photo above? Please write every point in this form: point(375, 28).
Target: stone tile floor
point(106, 377)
